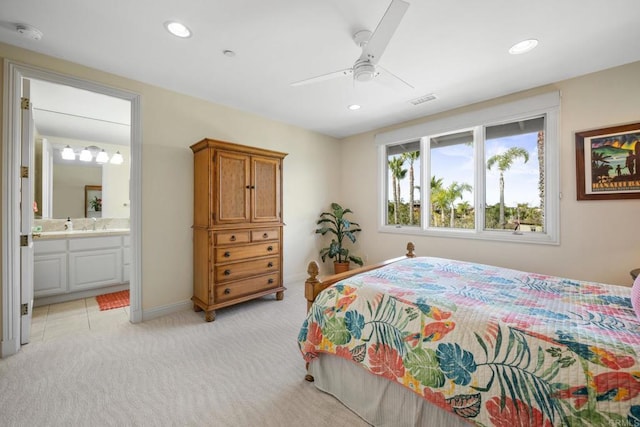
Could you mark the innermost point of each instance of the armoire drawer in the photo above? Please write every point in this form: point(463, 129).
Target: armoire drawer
point(235, 253)
point(232, 237)
point(265, 234)
point(233, 290)
point(238, 270)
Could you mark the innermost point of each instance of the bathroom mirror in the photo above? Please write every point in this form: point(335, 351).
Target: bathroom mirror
point(75, 119)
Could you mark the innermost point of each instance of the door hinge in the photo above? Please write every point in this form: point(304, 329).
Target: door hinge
point(24, 240)
point(24, 103)
point(24, 309)
point(24, 171)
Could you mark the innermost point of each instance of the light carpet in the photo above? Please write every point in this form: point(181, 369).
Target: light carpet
point(243, 369)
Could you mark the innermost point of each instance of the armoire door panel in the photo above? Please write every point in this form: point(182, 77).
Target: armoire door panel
point(233, 188)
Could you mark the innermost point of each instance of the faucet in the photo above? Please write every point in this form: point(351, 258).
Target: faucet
point(94, 224)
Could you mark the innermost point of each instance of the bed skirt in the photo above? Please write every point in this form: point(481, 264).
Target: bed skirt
point(385, 404)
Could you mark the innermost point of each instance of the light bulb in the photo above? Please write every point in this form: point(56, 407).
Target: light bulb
point(117, 158)
point(102, 157)
point(68, 154)
point(85, 155)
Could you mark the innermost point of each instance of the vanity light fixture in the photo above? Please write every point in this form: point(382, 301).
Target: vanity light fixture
point(178, 29)
point(68, 154)
point(85, 155)
point(102, 157)
point(117, 158)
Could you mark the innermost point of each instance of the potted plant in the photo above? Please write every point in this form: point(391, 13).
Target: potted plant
point(335, 222)
point(96, 204)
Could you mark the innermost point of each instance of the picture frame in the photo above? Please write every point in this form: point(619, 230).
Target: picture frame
point(608, 163)
point(92, 194)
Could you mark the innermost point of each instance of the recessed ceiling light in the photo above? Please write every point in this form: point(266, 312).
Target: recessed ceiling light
point(523, 46)
point(177, 29)
point(353, 107)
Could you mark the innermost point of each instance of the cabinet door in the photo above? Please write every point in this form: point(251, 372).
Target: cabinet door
point(233, 187)
point(50, 274)
point(266, 197)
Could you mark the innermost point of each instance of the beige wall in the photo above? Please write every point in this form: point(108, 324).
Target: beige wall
point(598, 239)
point(170, 124)
point(68, 184)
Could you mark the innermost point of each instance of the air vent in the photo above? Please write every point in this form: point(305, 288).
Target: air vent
point(423, 99)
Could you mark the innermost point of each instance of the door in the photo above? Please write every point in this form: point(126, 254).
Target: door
point(265, 189)
point(233, 186)
point(26, 214)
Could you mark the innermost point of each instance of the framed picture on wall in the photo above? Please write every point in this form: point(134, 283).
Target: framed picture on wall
point(93, 201)
point(608, 163)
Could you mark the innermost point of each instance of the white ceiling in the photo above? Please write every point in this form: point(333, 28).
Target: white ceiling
point(454, 49)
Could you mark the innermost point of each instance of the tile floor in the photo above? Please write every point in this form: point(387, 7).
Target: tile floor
point(73, 317)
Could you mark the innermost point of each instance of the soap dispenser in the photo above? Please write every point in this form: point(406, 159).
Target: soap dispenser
point(68, 225)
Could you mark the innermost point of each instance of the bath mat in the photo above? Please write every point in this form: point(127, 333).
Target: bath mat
point(113, 300)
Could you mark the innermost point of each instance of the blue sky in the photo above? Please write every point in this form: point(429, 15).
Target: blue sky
point(455, 163)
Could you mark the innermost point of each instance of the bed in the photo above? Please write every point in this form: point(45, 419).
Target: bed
point(432, 341)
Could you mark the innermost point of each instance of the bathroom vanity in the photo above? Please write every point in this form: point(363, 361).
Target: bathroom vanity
point(70, 265)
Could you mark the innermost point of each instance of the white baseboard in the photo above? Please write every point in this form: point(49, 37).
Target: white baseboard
point(156, 312)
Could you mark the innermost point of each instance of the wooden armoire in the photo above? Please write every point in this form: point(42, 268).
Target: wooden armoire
point(237, 224)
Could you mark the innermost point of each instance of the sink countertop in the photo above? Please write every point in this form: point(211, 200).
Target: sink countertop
point(49, 235)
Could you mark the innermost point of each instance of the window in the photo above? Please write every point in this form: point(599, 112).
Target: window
point(491, 175)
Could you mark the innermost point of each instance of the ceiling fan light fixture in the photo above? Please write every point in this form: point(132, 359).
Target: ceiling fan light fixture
point(67, 153)
point(364, 71)
point(178, 29)
point(523, 47)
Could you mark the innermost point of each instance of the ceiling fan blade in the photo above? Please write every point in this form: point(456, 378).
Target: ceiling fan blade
point(323, 77)
point(387, 78)
point(380, 38)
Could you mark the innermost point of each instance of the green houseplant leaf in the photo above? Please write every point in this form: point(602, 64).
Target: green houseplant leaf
point(335, 223)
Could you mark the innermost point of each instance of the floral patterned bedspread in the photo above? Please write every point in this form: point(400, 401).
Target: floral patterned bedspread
point(498, 347)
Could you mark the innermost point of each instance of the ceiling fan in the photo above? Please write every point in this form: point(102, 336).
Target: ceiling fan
point(373, 45)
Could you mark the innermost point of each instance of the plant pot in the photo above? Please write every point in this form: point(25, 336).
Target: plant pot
point(340, 267)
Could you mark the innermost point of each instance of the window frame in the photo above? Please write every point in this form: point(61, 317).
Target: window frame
point(547, 105)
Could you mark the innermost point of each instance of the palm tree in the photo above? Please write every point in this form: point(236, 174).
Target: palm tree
point(541, 165)
point(436, 190)
point(454, 192)
point(397, 175)
point(504, 162)
point(411, 157)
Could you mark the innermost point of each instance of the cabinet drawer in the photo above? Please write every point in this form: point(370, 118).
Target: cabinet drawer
point(229, 291)
point(248, 251)
point(49, 246)
point(229, 237)
point(239, 270)
point(265, 234)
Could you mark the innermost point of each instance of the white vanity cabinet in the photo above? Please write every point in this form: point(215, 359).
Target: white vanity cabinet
point(50, 267)
point(73, 265)
point(94, 262)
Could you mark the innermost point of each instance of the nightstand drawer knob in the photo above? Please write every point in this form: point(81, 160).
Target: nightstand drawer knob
point(227, 254)
point(270, 281)
point(227, 272)
point(227, 291)
point(232, 238)
point(270, 265)
point(270, 248)
point(265, 236)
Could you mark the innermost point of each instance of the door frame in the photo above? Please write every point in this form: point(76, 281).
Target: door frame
point(13, 74)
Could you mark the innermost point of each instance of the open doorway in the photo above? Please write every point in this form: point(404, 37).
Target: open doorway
point(120, 135)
